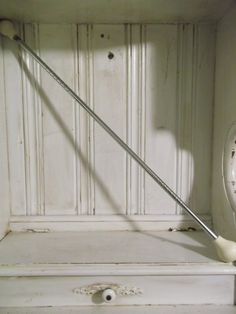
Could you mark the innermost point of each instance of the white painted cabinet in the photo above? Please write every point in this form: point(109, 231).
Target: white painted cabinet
point(162, 76)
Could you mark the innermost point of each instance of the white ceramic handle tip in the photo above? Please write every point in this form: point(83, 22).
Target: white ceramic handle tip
point(226, 249)
point(7, 29)
point(108, 295)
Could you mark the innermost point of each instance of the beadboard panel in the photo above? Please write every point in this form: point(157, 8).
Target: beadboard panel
point(196, 55)
point(152, 84)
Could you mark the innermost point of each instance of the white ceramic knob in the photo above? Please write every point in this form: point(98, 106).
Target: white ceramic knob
point(108, 295)
point(7, 29)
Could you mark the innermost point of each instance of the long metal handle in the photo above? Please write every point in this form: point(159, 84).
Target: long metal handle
point(116, 137)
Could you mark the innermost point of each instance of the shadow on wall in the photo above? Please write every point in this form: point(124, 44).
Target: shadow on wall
point(173, 127)
point(67, 132)
point(175, 77)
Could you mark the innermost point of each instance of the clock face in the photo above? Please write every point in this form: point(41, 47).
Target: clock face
point(229, 166)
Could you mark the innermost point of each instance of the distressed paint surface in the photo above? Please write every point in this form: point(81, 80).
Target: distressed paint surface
point(57, 269)
point(43, 291)
point(146, 82)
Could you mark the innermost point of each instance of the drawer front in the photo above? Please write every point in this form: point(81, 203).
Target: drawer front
point(130, 290)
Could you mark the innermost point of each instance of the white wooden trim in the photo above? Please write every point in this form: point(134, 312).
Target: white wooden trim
point(83, 223)
point(147, 309)
point(142, 116)
point(158, 269)
point(4, 156)
point(64, 291)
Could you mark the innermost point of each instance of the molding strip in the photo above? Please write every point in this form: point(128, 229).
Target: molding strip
point(105, 223)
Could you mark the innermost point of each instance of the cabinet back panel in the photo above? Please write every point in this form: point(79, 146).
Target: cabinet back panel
point(152, 84)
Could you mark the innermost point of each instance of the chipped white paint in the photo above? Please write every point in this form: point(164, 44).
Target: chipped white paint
point(120, 290)
point(101, 222)
point(50, 269)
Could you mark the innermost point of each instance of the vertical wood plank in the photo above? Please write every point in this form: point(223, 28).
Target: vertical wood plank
point(142, 116)
point(39, 128)
point(131, 66)
point(77, 181)
point(85, 141)
point(4, 163)
point(161, 115)
point(195, 86)
point(110, 103)
point(136, 116)
point(186, 104)
point(32, 124)
point(56, 47)
point(15, 127)
point(92, 173)
point(203, 115)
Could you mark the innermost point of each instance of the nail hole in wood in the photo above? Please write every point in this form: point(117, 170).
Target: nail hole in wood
point(110, 55)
